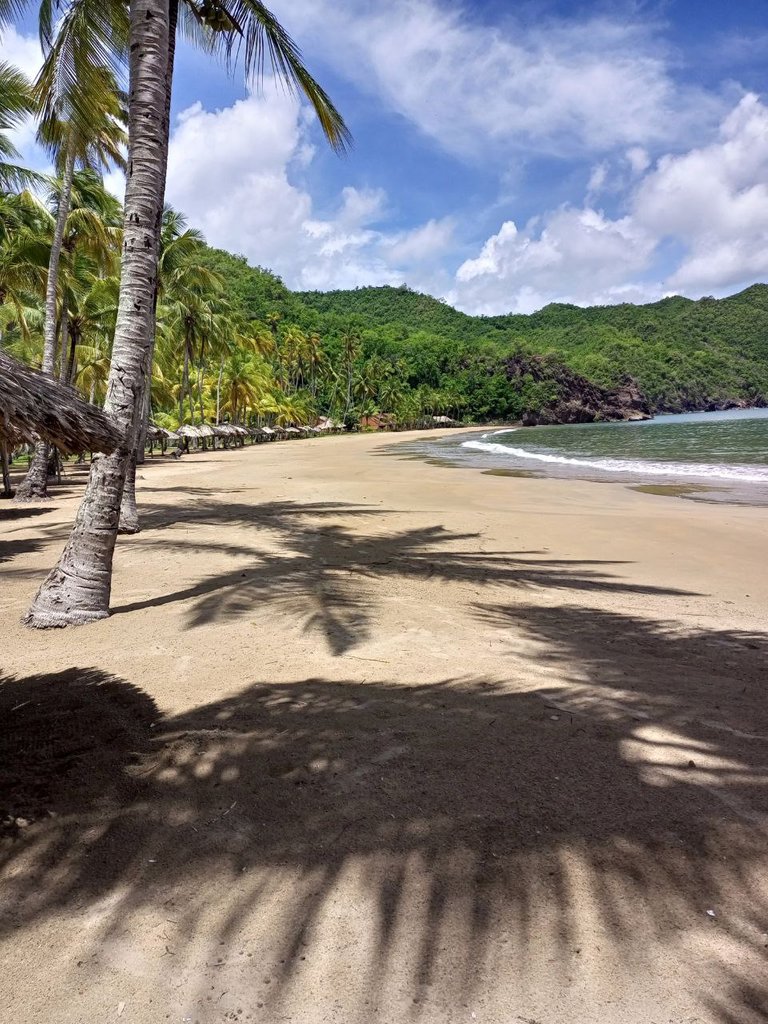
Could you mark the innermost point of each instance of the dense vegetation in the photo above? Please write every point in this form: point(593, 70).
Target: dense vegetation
point(683, 354)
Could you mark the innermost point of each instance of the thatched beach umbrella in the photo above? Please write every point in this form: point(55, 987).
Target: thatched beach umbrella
point(34, 405)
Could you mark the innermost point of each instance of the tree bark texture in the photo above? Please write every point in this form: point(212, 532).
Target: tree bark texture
point(129, 513)
point(78, 589)
point(34, 487)
point(64, 376)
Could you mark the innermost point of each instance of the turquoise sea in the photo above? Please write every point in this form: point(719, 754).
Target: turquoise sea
point(727, 451)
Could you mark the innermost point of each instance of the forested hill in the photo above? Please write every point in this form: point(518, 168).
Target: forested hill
point(684, 354)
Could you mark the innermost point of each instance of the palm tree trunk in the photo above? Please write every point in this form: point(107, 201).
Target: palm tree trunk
point(191, 398)
point(129, 514)
point(218, 393)
point(34, 487)
point(182, 389)
point(78, 589)
point(64, 333)
point(4, 462)
point(200, 393)
point(71, 365)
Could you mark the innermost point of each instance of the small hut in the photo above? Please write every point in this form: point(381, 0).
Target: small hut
point(379, 421)
point(326, 425)
point(160, 435)
point(34, 406)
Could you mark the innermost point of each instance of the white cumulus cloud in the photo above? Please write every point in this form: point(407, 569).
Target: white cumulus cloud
point(237, 173)
point(711, 202)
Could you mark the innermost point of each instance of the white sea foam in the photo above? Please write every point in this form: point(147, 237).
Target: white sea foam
point(742, 474)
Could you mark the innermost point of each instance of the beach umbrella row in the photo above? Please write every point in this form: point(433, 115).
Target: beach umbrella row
point(231, 431)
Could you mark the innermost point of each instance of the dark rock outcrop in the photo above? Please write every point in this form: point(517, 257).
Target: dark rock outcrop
point(567, 397)
point(686, 401)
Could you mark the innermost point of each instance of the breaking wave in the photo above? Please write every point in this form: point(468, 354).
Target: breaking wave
point(716, 471)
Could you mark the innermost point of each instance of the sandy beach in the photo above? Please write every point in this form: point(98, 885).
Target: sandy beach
point(372, 739)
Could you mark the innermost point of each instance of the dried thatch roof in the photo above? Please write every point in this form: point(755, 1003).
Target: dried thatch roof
point(34, 405)
point(155, 433)
point(230, 430)
point(326, 423)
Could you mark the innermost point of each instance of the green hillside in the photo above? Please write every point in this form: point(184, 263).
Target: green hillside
point(684, 354)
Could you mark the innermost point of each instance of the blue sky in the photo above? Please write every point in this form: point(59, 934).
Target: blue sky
point(505, 155)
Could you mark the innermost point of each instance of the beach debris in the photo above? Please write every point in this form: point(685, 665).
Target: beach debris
point(555, 718)
point(120, 1008)
point(711, 913)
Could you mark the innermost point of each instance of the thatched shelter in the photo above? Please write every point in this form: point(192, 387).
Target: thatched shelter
point(34, 406)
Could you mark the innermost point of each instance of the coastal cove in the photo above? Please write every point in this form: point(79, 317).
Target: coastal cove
point(715, 456)
point(359, 660)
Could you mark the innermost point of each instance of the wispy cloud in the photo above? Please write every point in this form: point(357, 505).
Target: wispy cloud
point(560, 87)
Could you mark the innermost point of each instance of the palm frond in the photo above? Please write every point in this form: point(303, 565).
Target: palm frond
point(85, 51)
point(245, 30)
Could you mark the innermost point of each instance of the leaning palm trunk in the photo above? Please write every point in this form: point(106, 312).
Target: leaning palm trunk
point(78, 589)
point(129, 513)
point(34, 487)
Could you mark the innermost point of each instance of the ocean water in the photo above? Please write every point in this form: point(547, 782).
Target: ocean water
point(724, 451)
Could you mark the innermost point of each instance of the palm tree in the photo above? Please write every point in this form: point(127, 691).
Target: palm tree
point(78, 589)
point(96, 146)
point(23, 252)
point(351, 348)
point(177, 267)
point(16, 104)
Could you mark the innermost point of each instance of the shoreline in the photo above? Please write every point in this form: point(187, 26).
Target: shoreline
point(495, 459)
point(365, 740)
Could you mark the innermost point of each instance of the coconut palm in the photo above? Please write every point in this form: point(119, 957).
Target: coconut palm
point(96, 146)
point(24, 251)
point(78, 589)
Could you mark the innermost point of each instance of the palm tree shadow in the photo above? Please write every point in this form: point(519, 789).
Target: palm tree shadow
point(11, 515)
point(10, 549)
point(458, 834)
point(328, 572)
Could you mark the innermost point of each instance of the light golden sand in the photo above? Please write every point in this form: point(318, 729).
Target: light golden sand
point(368, 738)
